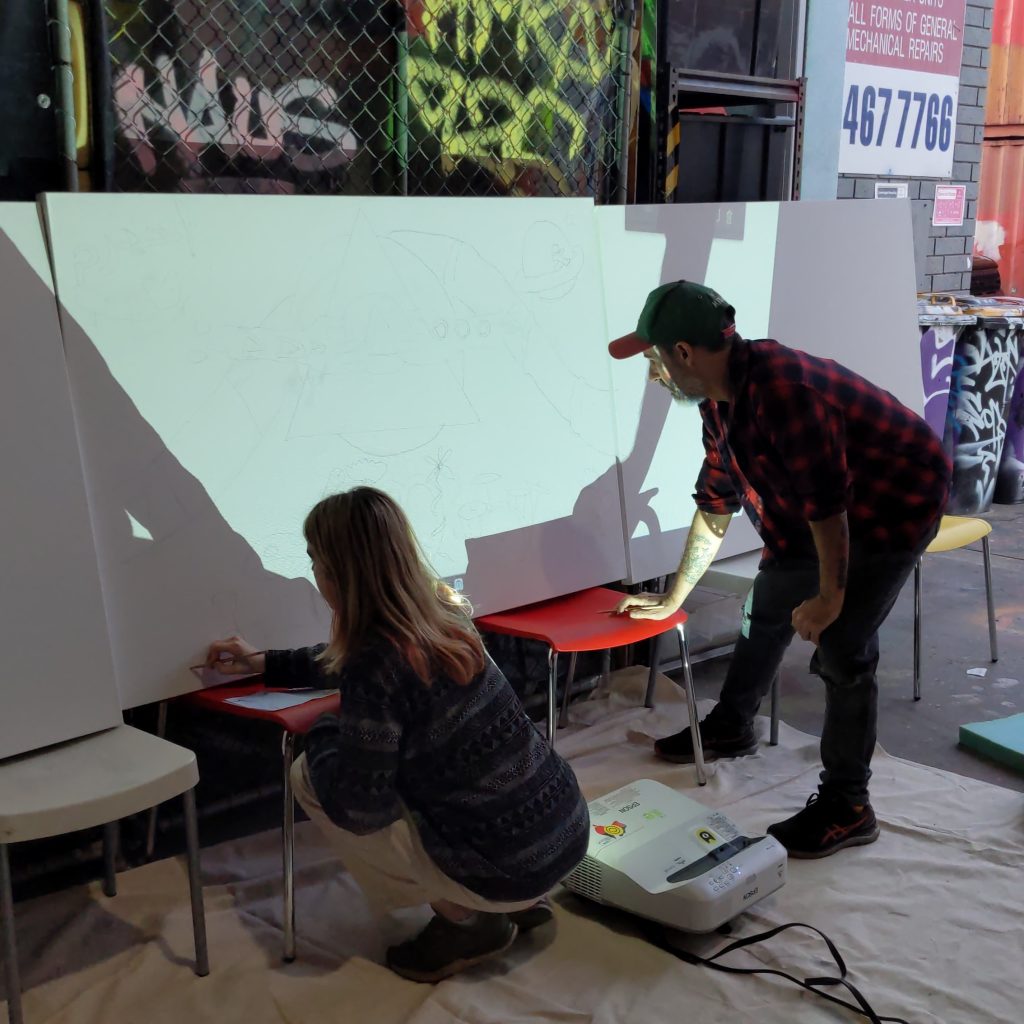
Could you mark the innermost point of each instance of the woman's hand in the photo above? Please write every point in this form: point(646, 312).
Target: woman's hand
point(235, 657)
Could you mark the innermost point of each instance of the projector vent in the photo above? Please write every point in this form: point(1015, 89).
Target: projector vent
point(585, 878)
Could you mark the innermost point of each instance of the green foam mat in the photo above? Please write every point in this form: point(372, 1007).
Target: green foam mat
point(1001, 739)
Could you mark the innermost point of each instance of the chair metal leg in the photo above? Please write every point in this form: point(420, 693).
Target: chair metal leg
point(652, 675)
point(288, 833)
point(10, 945)
point(606, 666)
point(987, 552)
point(773, 736)
point(563, 718)
point(161, 731)
point(111, 837)
point(691, 706)
point(552, 693)
point(195, 885)
point(917, 630)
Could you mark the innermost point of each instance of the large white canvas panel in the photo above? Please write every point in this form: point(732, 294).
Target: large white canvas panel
point(58, 676)
point(234, 359)
point(835, 279)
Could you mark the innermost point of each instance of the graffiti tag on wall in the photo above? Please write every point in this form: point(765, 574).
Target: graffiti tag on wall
point(983, 375)
point(513, 86)
point(937, 346)
point(226, 95)
point(296, 121)
point(1010, 485)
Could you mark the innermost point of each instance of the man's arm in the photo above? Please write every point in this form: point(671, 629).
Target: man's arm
point(702, 544)
point(832, 541)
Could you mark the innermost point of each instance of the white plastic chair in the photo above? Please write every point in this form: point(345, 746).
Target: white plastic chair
point(93, 781)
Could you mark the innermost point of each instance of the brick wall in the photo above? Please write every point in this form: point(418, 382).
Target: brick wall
point(943, 255)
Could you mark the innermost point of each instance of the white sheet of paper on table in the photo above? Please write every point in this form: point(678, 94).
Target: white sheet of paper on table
point(278, 701)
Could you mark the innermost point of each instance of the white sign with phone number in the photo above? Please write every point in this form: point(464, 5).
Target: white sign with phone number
point(901, 87)
point(898, 122)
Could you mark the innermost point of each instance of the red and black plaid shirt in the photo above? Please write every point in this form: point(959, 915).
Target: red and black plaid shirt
point(805, 439)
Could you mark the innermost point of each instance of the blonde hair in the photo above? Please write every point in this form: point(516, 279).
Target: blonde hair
point(383, 588)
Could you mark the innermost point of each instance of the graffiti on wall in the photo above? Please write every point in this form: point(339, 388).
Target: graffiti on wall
point(297, 122)
point(1010, 484)
point(323, 96)
point(937, 346)
point(983, 376)
point(522, 90)
point(245, 95)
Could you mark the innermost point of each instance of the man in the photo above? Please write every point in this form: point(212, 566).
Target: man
point(846, 487)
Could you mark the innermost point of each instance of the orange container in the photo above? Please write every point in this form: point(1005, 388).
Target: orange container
point(999, 229)
point(1005, 103)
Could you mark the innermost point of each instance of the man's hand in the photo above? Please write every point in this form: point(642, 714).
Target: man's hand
point(813, 617)
point(647, 606)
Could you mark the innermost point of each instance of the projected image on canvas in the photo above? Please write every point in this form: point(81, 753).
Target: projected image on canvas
point(448, 352)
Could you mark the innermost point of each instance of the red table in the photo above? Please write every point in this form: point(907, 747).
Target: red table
point(582, 622)
point(295, 721)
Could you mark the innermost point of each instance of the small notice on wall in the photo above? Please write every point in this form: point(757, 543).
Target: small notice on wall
point(891, 190)
point(950, 201)
point(901, 87)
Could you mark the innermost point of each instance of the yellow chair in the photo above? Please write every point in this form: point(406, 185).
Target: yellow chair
point(955, 532)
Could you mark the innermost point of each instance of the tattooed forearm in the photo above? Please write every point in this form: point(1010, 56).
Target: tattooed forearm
point(702, 543)
point(699, 552)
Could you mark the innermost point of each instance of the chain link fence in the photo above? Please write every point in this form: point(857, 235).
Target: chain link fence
point(357, 97)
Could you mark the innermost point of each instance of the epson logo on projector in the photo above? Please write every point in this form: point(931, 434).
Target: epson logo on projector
point(753, 892)
point(629, 807)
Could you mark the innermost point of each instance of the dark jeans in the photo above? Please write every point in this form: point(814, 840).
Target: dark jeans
point(846, 658)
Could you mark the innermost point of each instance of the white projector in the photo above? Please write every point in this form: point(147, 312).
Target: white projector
point(661, 855)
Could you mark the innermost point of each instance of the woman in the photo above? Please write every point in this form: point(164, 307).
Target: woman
point(432, 783)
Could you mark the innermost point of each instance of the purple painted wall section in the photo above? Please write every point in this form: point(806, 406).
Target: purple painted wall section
point(1010, 485)
point(937, 346)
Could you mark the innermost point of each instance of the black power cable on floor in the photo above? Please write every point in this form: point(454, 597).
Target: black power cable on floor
point(659, 936)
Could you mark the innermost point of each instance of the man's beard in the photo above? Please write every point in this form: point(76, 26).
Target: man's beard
point(677, 393)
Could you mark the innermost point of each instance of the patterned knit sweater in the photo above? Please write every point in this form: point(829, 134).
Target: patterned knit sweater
point(497, 810)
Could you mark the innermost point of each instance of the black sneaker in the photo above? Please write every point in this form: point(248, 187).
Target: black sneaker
point(826, 824)
point(444, 948)
point(718, 739)
point(533, 917)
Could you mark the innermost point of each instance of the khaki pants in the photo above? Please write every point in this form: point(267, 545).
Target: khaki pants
point(390, 865)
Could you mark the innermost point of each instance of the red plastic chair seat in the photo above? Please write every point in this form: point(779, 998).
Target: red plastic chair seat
point(579, 622)
point(297, 720)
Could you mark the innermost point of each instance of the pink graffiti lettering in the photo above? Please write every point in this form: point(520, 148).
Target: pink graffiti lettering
point(261, 123)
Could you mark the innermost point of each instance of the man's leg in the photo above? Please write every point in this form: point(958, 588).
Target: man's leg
point(846, 660)
point(765, 633)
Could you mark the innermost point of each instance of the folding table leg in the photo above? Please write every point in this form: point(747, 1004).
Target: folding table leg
point(161, 731)
point(552, 693)
point(773, 738)
point(691, 706)
point(652, 675)
point(917, 630)
point(563, 718)
point(111, 841)
point(288, 832)
point(10, 945)
point(195, 885)
point(987, 554)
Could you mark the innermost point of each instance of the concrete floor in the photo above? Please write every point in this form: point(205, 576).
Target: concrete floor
point(955, 639)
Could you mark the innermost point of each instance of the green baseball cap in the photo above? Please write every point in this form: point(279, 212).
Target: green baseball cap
point(679, 311)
